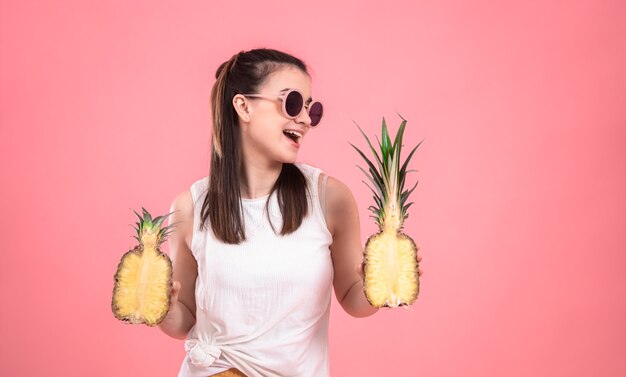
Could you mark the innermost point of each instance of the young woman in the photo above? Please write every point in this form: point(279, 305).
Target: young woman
point(262, 240)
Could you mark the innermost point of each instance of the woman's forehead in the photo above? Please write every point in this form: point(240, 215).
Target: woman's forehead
point(285, 79)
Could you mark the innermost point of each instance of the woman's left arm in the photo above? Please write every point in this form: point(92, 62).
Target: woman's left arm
point(346, 249)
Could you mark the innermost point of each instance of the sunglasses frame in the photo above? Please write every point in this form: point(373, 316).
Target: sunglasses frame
point(283, 98)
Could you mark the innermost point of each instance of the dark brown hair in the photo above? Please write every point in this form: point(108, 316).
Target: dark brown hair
point(246, 72)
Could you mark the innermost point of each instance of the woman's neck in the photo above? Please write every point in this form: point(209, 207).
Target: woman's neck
point(257, 179)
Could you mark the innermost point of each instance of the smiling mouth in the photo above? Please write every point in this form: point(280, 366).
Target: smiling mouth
point(292, 136)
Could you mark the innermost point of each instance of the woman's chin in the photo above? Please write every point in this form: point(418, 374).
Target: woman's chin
point(291, 160)
point(289, 157)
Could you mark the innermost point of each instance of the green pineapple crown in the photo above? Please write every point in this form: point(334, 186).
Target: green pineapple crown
point(388, 178)
point(149, 226)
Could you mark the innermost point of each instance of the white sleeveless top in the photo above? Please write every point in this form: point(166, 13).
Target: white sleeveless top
point(262, 306)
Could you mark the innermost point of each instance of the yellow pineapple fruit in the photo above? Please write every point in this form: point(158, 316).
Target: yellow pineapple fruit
point(390, 266)
point(143, 281)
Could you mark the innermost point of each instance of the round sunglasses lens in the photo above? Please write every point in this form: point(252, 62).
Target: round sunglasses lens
point(293, 103)
point(315, 113)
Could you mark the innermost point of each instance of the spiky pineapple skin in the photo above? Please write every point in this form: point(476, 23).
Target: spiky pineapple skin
point(159, 285)
point(376, 281)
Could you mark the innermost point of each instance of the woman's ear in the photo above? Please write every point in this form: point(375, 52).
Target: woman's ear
point(241, 107)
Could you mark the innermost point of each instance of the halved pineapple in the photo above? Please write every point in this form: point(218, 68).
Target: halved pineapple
point(390, 263)
point(143, 281)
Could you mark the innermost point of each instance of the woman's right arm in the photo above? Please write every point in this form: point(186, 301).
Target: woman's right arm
point(182, 313)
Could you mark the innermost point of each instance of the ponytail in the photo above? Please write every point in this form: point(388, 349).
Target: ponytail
point(217, 103)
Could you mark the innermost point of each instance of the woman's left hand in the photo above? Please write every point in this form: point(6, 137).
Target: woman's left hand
point(419, 259)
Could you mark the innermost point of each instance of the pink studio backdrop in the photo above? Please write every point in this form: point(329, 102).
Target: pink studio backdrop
point(520, 209)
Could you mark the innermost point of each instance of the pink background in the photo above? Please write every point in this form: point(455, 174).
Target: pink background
point(520, 209)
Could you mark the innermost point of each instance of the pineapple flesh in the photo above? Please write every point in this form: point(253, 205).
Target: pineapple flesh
point(143, 280)
point(390, 266)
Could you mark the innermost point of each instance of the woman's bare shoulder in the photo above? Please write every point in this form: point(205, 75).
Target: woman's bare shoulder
point(337, 191)
point(338, 198)
point(182, 213)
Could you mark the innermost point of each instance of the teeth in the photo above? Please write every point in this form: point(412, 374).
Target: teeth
point(296, 133)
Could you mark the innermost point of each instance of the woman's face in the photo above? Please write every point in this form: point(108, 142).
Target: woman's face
point(262, 133)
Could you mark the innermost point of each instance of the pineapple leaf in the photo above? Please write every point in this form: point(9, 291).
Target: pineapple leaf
point(378, 202)
point(140, 218)
point(378, 159)
point(402, 179)
point(400, 115)
point(164, 216)
point(140, 223)
point(386, 140)
point(406, 162)
point(147, 216)
point(375, 173)
point(385, 148)
point(377, 219)
point(159, 220)
point(406, 194)
point(172, 225)
point(374, 192)
point(374, 210)
point(407, 206)
point(397, 143)
point(371, 179)
point(376, 197)
point(401, 184)
point(381, 165)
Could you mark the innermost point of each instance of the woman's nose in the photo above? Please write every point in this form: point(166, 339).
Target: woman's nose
point(304, 117)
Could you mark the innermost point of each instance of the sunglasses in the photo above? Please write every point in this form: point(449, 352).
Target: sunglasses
point(292, 104)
